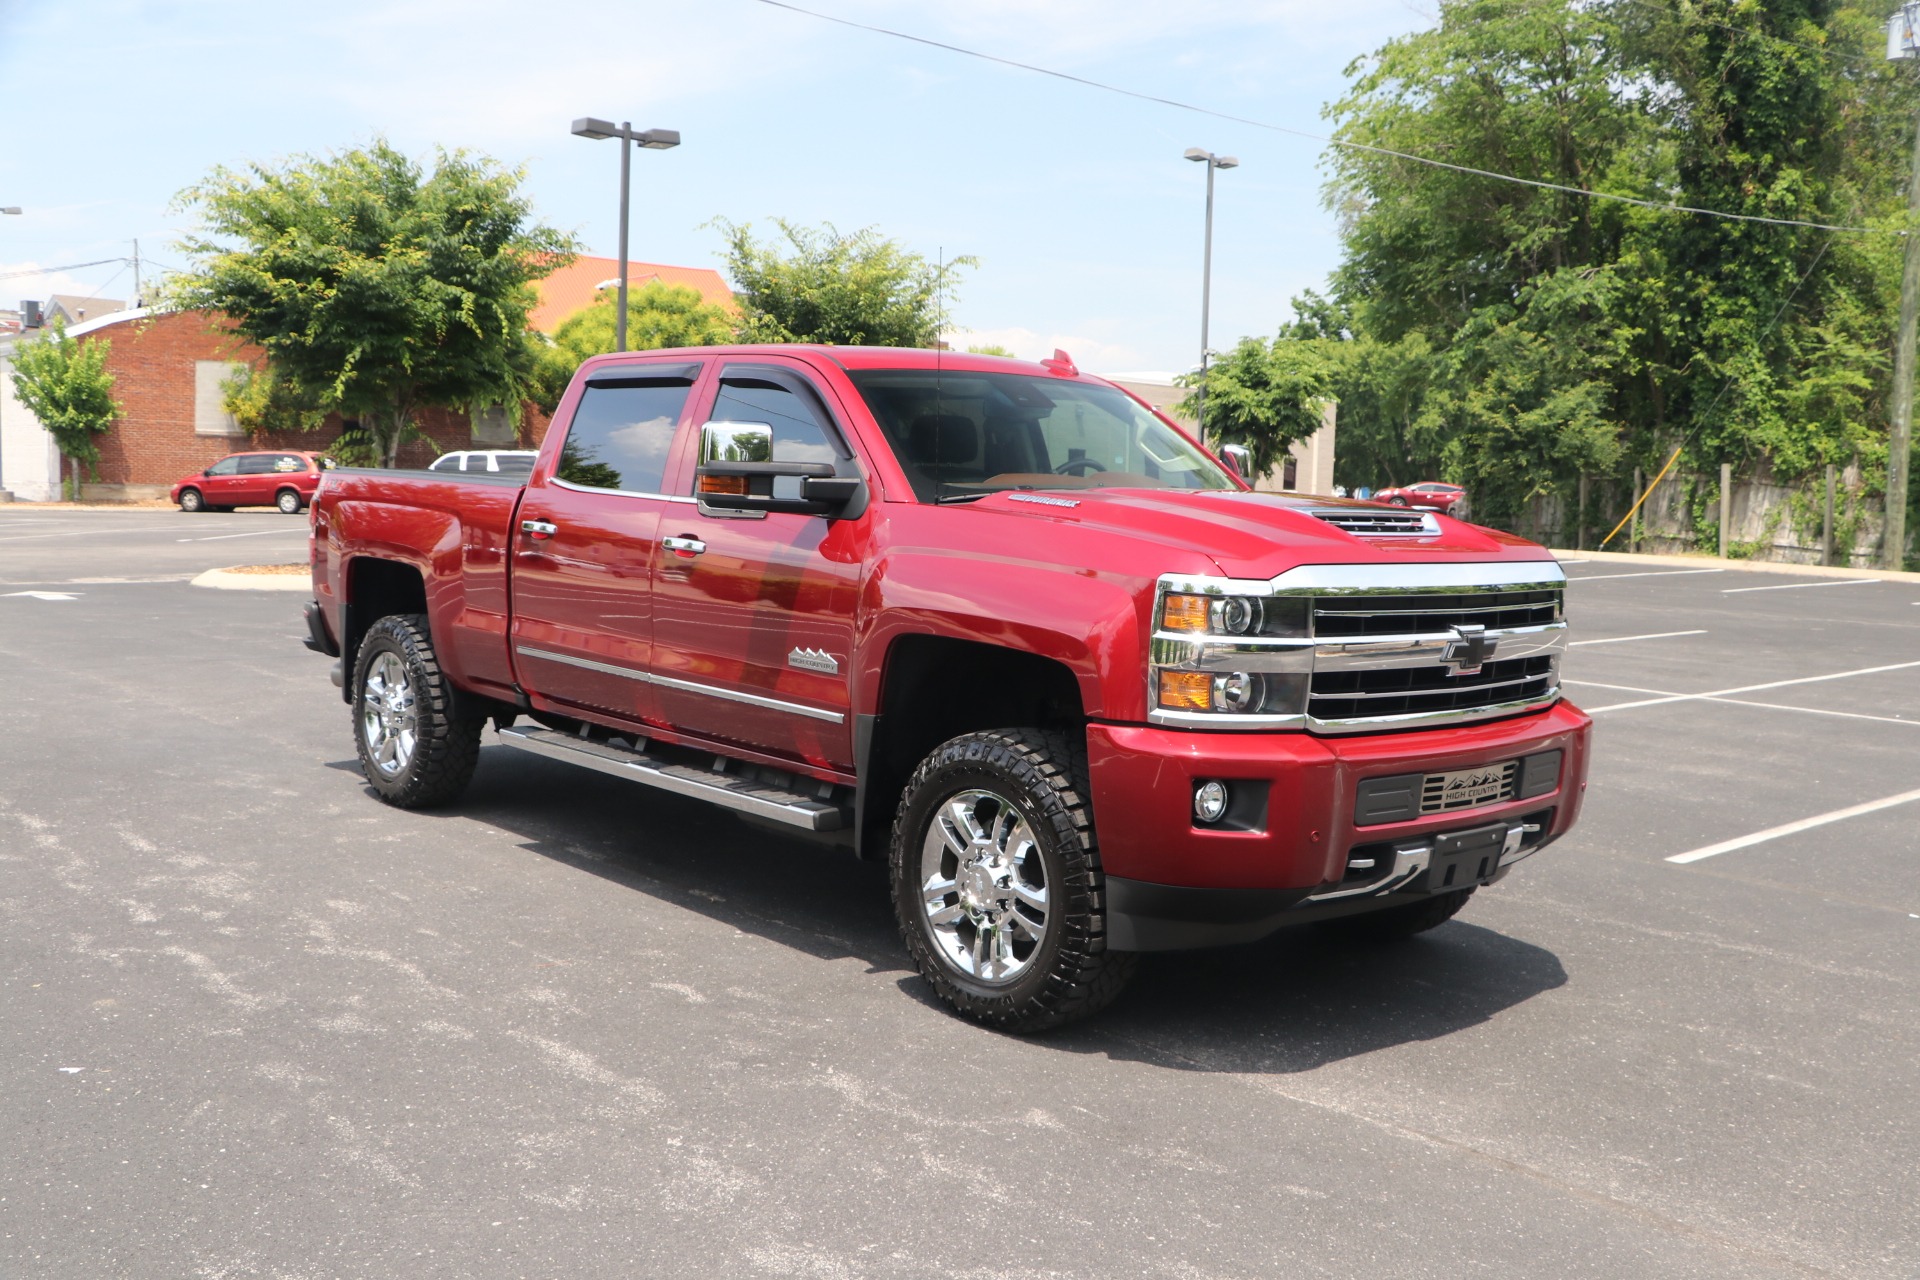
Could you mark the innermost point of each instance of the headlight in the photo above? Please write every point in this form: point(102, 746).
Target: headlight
point(1227, 657)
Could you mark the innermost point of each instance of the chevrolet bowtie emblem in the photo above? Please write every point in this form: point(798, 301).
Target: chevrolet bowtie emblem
point(1470, 649)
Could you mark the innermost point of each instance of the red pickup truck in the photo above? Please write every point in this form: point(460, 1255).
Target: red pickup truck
point(997, 623)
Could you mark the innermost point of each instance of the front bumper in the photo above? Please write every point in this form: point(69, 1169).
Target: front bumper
point(1282, 852)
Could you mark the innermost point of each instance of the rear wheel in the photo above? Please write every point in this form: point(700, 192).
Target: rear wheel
point(190, 500)
point(1405, 921)
point(997, 884)
point(288, 502)
point(1396, 501)
point(418, 738)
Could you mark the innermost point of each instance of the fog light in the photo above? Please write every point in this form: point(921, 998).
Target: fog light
point(1210, 801)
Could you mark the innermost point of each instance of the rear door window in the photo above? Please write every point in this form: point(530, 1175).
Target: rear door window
point(257, 464)
point(622, 433)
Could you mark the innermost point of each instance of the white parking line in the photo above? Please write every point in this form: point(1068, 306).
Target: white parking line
point(1656, 635)
point(222, 537)
point(1649, 573)
point(1789, 586)
point(1732, 702)
point(84, 533)
point(1751, 688)
point(1790, 828)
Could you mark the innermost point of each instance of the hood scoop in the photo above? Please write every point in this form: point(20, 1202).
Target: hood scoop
point(1380, 522)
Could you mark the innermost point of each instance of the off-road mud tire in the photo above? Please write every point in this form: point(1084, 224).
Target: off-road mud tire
point(1044, 774)
point(447, 732)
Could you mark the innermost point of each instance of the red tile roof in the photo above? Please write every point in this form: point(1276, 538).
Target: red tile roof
point(573, 287)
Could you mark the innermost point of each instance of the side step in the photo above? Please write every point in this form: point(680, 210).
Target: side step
point(743, 794)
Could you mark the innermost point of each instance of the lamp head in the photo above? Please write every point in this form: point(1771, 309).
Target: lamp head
point(588, 127)
point(658, 139)
point(1195, 153)
point(1227, 162)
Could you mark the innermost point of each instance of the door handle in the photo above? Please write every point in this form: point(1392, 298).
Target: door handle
point(684, 546)
point(539, 529)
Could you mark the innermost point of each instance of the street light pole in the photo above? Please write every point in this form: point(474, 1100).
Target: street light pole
point(652, 140)
point(1212, 162)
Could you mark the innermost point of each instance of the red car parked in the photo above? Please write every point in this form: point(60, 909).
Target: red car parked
point(1430, 494)
point(278, 478)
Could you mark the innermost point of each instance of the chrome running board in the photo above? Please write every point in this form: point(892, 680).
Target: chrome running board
point(727, 790)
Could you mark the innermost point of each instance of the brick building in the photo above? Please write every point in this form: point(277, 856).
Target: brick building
point(169, 369)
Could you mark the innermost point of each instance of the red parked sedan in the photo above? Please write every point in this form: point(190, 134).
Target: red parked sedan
point(277, 478)
point(1430, 494)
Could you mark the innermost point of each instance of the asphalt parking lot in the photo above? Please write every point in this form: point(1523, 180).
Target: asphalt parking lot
point(258, 1025)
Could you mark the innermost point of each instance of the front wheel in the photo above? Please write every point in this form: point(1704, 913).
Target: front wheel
point(1396, 501)
point(191, 501)
point(417, 736)
point(288, 502)
point(997, 884)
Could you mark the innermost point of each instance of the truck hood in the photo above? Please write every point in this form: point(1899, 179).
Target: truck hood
point(1257, 535)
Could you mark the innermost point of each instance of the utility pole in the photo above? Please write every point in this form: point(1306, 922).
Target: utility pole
point(136, 273)
point(1903, 43)
point(1212, 162)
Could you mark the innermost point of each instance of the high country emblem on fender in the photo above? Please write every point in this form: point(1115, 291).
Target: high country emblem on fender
point(814, 660)
point(1470, 651)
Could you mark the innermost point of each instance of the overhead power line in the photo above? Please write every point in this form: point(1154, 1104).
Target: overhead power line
point(1346, 144)
point(52, 271)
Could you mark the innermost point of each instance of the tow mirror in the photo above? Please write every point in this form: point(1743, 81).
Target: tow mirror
point(1238, 459)
point(738, 476)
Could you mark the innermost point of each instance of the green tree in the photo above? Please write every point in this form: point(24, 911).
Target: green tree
point(260, 400)
point(659, 315)
point(64, 383)
point(376, 288)
point(1510, 337)
point(1264, 395)
point(822, 285)
point(989, 349)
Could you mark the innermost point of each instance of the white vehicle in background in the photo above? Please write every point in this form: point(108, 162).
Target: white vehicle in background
point(512, 462)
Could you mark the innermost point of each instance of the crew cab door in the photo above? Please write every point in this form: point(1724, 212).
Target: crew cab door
point(753, 613)
point(584, 541)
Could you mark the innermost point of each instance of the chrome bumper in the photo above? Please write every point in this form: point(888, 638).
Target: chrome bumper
point(1411, 859)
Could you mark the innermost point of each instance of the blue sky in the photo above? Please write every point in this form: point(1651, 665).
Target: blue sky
point(1086, 221)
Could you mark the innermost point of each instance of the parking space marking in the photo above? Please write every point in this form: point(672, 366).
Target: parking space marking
point(1750, 688)
point(1732, 702)
point(1647, 573)
point(259, 533)
point(1654, 635)
point(83, 533)
point(1791, 828)
point(1789, 586)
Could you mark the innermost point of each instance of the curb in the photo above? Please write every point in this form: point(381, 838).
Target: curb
point(228, 580)
point(1749, 566)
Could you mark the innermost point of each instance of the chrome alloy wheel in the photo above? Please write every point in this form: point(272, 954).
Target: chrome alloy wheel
point(387, 715)
point(983, 887)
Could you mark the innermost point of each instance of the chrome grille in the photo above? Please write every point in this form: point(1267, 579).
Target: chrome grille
point(1381, 522)
point(1433, 612)
point(1400, 691)
point(1434, 798)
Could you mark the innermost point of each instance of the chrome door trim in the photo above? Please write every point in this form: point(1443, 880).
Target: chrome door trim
point(751, 699)
point(605, 668)
point(558, 483)
point(687, 686)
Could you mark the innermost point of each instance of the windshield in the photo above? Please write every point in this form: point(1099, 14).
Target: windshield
point(960, 435)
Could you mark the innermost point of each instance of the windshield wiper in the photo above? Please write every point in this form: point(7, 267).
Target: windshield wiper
point(945, 498)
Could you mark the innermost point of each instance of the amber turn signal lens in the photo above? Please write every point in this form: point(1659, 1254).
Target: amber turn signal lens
point(1184, 613)
point(724, 484)
point(1186, 691)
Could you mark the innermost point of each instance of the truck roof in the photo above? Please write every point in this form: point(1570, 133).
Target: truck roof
point(873, 357)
